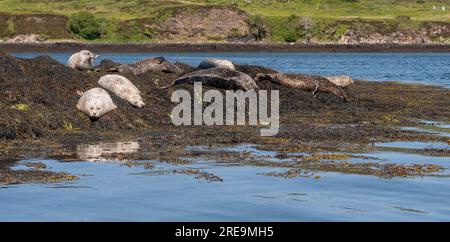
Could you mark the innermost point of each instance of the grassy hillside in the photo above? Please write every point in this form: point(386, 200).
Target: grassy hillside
point(196, 20)
point(372, 9)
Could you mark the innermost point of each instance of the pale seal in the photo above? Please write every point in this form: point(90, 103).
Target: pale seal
point(123, 88)
point(81, 60)
point(157, 64)
point(219, 77)
point(342, 81)
point(213, 63)
point(95, 103)
point(313, 84)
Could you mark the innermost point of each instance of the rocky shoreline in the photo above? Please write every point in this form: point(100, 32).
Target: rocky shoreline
point(219, 47)
point(41, 94)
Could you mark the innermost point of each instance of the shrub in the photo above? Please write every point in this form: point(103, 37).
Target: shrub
point(340, 30)
point(106, 26)
point(291, 37)
point(131, 31)
point(234, 32)
point(10, 27)
point(85, 25)
point(150, 33)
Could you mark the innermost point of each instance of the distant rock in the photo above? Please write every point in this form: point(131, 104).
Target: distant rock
point(26, 38)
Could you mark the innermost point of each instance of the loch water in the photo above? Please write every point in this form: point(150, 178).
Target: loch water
point(424, 68)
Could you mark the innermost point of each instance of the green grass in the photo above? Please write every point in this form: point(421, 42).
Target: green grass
point(10, 27)
point(371, 9)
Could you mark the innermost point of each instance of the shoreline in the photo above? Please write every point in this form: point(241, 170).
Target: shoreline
point(224, 47)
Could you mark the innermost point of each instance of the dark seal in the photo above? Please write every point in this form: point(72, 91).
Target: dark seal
point(157, 64)
point(219, 77)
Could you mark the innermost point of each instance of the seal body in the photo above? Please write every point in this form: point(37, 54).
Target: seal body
point(313, 84)
point(213, 63)
point(81, 60)
point(95, 103)
point(219, 77)
point(342, 81)
point(123, 88)
point(159, 64)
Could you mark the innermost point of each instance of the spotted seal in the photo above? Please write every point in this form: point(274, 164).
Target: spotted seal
point(82, 60)
point(342, 81)
point(313, 84)
point(213, 63)
point(219, 77)
point(123, 88)
point(95, 102)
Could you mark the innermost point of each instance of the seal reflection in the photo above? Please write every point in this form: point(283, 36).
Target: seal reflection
point(97, 152)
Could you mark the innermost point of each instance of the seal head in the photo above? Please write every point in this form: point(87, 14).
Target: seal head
point(82, 60)
point(95, 103)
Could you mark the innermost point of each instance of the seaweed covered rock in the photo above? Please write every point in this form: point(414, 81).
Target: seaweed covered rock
point(9, 69)
point(40, 96)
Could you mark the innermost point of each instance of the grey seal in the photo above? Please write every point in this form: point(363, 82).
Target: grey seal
point(82, 60)
point(342, 81)
point(213, 63)
point(123, 88)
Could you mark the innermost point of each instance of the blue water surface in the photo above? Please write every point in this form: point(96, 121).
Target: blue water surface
point(425, 68)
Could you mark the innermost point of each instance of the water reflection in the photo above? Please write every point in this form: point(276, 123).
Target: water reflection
point(243, 195)
point(100, 151)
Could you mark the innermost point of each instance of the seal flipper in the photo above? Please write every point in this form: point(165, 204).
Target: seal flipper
point(340, 93)
point(314, 92)
point(113, 69)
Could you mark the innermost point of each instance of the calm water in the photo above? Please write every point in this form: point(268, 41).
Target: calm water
point(433, 68)
point(110, 191)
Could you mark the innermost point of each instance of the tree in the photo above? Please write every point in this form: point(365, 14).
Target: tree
point(305, 26)
point(258, 26)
